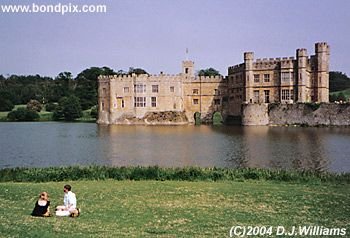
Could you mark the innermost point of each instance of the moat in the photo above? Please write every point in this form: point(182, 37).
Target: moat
point(64, 144)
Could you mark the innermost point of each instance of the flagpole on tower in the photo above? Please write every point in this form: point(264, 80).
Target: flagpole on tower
point(186, 53)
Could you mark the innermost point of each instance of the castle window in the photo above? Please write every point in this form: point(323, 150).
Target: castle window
point(195, 101)
point(291, 94)
point(140, 101)
point(154, 88)
point(123, 105)
point(216, 101)
point(104, 90)
point(266, 78)
point(126, 89)
point(195, 91)
point(154, 101)
point(139, 88)
point(285, 95)
point(267, 96)
point(186, 70)
point(256, 96)
point(103, 106)
point(172, 89)
point(216, 92)
point(256, 78)
point(286, 77)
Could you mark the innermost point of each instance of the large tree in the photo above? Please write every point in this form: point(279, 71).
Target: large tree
point(68, 109)
point(86, 89)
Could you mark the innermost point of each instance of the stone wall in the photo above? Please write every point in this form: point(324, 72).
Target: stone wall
point(255, 114)
point(153, 118)
point(324, 114)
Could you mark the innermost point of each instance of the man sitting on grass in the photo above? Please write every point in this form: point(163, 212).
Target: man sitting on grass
point(70, 203)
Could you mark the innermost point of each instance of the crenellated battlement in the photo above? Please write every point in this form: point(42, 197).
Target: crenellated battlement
point(248, 56)
point(141, 77)
point(302, 52)
point(274, 60)
point(209, 78)
point(158, 77)
point(321, 47)
point(238, 66)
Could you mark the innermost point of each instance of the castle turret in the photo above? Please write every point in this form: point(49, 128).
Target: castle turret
point(188, 68)
point(112, 99)
point(103, 99)
point(302, 78)
point(322, 79)
point(248, 64)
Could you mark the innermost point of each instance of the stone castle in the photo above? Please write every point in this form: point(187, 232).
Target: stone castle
point(130, 99)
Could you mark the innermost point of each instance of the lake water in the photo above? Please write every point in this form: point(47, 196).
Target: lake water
point(62, 144)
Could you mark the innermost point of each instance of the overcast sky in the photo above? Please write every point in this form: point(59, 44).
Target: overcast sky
point(154, 34)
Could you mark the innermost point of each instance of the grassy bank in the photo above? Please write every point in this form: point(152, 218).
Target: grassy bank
point(346, 93)
point(162, 174)
point(127, 208)
point(47, 116)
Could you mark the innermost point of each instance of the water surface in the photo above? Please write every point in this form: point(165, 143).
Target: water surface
point(61, 144)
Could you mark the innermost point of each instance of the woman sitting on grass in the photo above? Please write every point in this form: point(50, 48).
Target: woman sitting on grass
point(42, 206)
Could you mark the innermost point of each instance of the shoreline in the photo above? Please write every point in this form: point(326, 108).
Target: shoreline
point(181, 124)
point(21, 174)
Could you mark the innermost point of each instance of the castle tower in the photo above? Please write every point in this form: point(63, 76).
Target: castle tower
point(322, 75)
point(103, 99)
point(248, 62)
point(302, 77)
point(188, 68)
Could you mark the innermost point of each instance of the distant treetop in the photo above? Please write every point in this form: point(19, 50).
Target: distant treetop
point(137, 71)
point(208, 72)
point(338, 81)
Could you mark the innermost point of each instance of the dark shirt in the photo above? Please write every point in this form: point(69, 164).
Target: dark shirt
point(40, 210)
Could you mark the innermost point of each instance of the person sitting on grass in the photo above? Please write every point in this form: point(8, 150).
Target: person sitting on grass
point(42, 206)
point(70, 204)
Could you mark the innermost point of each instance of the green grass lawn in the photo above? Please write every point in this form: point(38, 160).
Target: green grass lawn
point(346, 93)
point(173, 208)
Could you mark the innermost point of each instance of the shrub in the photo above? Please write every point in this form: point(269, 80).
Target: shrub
point(34, 105)
point(23, 114)
point(93, 112)
point(50, 107)
point(313, 106)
